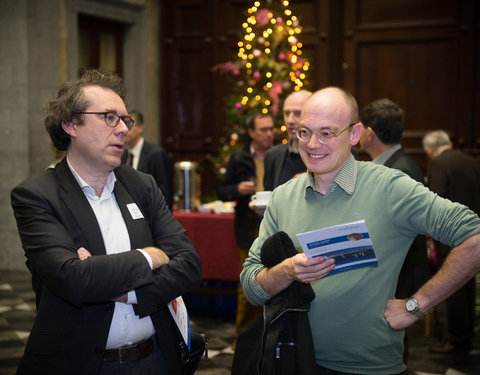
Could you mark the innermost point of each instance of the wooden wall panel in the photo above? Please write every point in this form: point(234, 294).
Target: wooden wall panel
point(417, 53)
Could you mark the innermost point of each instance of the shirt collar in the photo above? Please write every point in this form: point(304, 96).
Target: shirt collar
point(290, 147)
point(384, 156)
point(138, 148)
point(87, 189)
point(345, 178)
point(253, 153)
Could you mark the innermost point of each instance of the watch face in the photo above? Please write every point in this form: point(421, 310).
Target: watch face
point(411, 304)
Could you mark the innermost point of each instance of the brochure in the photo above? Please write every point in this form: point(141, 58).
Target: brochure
point(349, 244)
point(180, 316)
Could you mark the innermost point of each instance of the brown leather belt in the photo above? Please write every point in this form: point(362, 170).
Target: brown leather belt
point(130, 353)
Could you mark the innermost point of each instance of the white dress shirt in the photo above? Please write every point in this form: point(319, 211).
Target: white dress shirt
point(126, 328)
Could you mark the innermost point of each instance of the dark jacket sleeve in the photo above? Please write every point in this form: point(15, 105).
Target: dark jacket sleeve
point(269, 176)
point(240, 168)
point(161, 168)
point(183, 273)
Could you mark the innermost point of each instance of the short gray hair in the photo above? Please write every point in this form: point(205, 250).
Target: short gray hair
point(436, 139)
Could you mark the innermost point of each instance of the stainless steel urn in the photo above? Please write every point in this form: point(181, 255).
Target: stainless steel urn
point(186, 185)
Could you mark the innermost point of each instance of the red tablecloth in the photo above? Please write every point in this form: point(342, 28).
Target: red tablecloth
point(214, 239)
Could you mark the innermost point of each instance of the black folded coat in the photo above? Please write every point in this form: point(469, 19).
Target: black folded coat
point(279, 341)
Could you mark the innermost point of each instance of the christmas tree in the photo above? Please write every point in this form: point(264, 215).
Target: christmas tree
point(268, 67)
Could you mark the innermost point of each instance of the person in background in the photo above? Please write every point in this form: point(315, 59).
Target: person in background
point(356, 322)
point(383, 122)
point(148, 158)
point(283, 162)
point(454, 175)
point(244, 177)
point(105, 253)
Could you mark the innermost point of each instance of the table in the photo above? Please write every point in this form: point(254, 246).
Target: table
point(214, 239)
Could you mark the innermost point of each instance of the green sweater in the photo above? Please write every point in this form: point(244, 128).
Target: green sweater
point(349, 330)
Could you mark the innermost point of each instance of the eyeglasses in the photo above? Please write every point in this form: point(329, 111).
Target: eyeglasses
point(112, 119)
point(324, 136)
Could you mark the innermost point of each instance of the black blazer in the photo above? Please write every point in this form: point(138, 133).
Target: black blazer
point(75, 307)
point(155, 161)
point(415, 270)
point(404, 162)
point(456, 176)
point(240, 167)
point(274, 159)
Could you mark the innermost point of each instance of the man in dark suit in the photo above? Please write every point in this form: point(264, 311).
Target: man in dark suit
point(283, 162)
point(454, 175)
point(383, 122)
point(244, 177)
point(148, 158)
point(105, 253)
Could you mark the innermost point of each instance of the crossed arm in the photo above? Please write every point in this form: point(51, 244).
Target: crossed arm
point(158, 257)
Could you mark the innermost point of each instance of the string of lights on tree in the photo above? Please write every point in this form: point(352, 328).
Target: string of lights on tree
point(269, 65)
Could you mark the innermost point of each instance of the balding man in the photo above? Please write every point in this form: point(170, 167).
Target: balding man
point(454, 175)
point(356, 324)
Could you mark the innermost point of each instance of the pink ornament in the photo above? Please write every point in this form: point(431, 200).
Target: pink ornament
point(263, 16)
point(297, 73)
point(256, 75)
point(256, 52)
point(238, 105)
point(236, 72)
point(275, 90)
point(279, 19)
point(281, 56)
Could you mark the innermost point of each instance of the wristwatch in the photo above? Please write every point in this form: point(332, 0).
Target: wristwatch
point(412, 307)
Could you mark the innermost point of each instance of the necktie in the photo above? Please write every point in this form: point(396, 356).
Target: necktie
point(130, 159)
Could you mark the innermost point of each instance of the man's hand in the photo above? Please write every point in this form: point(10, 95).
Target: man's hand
point(122, 298)
point(305, 270)
point(247, 188)
point(159, 258)
point(260, 211)
point(83, 253)
point(297, 268)
point(397, 315)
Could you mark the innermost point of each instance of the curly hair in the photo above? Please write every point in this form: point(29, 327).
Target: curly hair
point(71, 99)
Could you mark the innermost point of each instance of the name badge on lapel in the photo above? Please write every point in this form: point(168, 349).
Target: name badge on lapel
point(134, 211)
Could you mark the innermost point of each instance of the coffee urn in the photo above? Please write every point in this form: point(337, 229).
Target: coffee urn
point(186, 186)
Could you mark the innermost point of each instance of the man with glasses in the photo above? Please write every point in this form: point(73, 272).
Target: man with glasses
point(356, 324)
point(105, 253)
point(243, 178)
